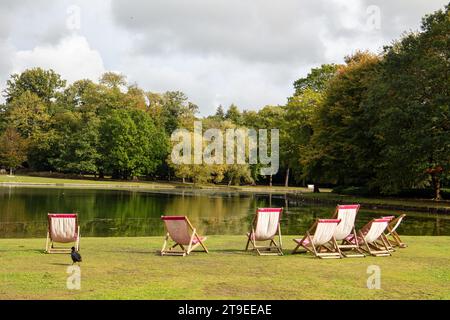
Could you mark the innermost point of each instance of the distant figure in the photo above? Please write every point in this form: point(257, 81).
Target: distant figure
point(75, 256)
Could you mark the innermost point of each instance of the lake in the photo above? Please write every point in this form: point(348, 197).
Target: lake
point(114, 213)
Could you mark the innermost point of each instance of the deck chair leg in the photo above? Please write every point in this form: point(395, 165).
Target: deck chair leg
point(203, 246)
point(399, 241)
point(279, 237)
point(314, 250)
point(251, 239)
point(296, 248)
point(366, 245)
point(78, 240)
point(163, 249)
point(190, 242)
point(383, 239)
point(248, 243)
point(336, 247)
point(47, 243)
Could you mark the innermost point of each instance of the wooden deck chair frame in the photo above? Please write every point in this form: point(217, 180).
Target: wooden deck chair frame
point(50, 242)
point(391, 229)
point(328, 250)
point(273, 248)
point(346, 247)
point(389, 244)
point(194, 242)
point(377, 248)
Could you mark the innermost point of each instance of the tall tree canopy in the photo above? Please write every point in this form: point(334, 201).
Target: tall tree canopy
point(46, 84)
point(411, 98)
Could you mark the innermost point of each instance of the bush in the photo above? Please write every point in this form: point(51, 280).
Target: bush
point(422, 193)
point(406, 193)
point(354, 191)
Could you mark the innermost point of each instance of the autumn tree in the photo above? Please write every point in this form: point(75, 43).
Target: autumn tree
point(13, 149)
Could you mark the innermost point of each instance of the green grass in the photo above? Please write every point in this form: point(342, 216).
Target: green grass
point(128, 268)
point(142, 185)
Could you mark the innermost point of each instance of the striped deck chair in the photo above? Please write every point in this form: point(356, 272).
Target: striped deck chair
point(183, 234)
point(391, 235)
point(347, 215)
point(62, 228)
point(371, 238)
point(265, 227)
point(319, 239)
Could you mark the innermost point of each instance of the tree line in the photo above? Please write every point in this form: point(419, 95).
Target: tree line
point(379, 122)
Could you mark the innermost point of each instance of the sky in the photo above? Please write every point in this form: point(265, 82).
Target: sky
point(218, 52)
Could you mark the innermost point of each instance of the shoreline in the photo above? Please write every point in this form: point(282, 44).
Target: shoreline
point(293, 194)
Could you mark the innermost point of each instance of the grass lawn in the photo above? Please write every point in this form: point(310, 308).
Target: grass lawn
point(128, 268)
point(142, 185)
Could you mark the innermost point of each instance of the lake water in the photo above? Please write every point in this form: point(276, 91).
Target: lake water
point(114, 213)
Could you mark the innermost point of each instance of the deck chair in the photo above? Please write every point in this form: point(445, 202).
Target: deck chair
point(265, 227)
point(183, 234)
point(319, 239)
point(62, 228)
point(347, 215)
point(391, 235)
point(371, 238)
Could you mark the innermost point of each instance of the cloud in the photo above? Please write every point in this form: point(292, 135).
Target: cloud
point(247, 52)
point(250, 52)
point(72, 57)
point(248, 30)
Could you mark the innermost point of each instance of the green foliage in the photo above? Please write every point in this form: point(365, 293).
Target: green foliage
point(317, 80)
point(411, 102)
point(130, 144)
point(376, 123)
point(341, 149)
point(234, 115)
point(113, 80)
point(77, 142)
point(43, 83)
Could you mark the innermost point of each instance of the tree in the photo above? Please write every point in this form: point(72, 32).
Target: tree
point(77, 140)
point(220, 113)
point(234, 115)
point(28, 114)
point(297, 125)
point(130, 144)
point(170, 109)
point(46, 84)
point(297, 130)
point(342, 149)
point(316, 80)
point(411, 99)
point(13, 149)
point(113, 80)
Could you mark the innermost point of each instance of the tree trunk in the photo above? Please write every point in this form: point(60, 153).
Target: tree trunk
point(436, 181)
point(184, 180)
point(270, 180)
point(316, 189)
point(286, 180)
point(10, 171)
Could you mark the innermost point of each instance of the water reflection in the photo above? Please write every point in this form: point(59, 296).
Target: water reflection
point(110, 213)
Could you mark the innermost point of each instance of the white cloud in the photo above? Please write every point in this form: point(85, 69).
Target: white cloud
point(217, 52)
point(72, 58)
